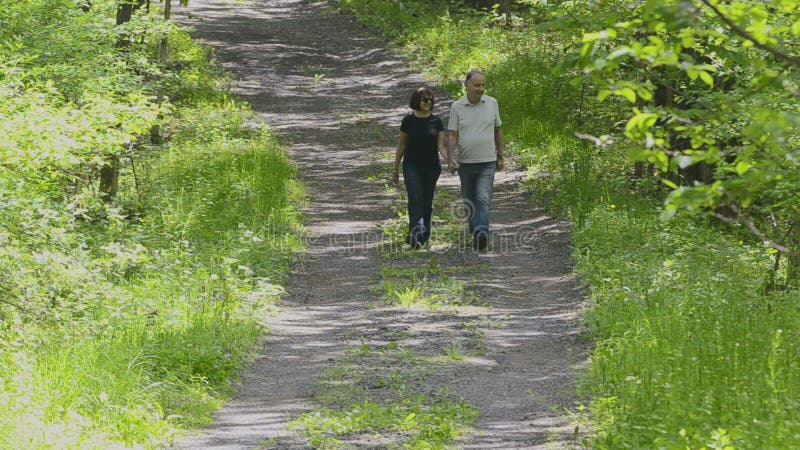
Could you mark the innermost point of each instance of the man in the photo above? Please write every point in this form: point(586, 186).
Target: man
point(475, 149)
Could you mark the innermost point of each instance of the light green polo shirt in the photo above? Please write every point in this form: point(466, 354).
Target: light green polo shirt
point(475, 125)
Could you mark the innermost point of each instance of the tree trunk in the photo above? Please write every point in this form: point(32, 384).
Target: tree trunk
point(793, 258)
point(163, 58)
point(162, 54)
point(109, 172)
point(125, 10)
point(109, 178)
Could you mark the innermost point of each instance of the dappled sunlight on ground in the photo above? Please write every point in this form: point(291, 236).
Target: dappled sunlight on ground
point(336, 96)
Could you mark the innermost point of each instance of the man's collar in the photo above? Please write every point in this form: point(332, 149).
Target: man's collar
point(465, 100)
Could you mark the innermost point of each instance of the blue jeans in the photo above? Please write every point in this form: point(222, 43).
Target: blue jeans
point(420, 185)
point(477, 182)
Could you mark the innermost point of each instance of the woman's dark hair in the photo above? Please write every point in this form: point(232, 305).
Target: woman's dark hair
point(418, 95)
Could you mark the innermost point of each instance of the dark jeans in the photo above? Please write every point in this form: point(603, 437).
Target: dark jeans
point(420, 185)
point(477, 182)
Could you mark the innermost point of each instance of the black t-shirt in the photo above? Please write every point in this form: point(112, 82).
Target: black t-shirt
point(422, 140)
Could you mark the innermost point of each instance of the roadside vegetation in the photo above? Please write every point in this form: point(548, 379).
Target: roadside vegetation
point(667, 132)
point(146, 223)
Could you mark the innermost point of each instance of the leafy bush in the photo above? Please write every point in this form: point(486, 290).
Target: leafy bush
point(124, 318)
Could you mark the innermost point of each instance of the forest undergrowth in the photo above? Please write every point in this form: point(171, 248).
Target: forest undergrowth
point(127, 306)
point(694, 346)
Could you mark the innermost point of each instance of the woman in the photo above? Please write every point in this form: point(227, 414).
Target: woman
point(421, 135)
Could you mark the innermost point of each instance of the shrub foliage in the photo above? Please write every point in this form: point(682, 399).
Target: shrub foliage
point(124, 317)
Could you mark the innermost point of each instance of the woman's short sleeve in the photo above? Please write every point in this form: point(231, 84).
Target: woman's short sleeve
point(438, 123)
point(404, 124)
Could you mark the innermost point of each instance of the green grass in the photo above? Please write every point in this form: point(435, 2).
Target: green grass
point(428, 423)
point(122, 322)
point(427, 286)
point(688, 345)
point(164, 311)
point(431, 294)
point(379, 394)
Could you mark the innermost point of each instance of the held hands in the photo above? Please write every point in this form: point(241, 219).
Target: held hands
point(452, 165)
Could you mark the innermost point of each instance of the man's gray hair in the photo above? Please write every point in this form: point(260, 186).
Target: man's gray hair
point(472, 73)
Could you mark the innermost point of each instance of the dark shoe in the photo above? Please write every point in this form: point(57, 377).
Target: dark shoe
point(480, 241)
point(414, 242)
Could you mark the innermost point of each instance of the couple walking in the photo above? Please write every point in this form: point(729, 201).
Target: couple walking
point(473, 147)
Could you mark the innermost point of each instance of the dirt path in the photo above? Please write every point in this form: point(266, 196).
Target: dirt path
point(331, 90)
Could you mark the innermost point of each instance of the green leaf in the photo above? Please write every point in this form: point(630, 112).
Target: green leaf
point(661, 161)
point(588, 49)
point(742, 167)
point(649, 120)
point(599, 35)
point(644, 93)
point(641, 122)
point(707, 78)
point(627, 93)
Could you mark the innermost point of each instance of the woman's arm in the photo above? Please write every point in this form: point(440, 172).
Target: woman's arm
point(452, 150)
point(442, 146)
point(401, 150)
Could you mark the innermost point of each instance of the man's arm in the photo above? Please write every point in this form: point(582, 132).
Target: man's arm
point(499, 147)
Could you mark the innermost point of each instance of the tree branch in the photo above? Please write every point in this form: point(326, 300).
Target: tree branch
point(791, 59)
point(750, 226)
